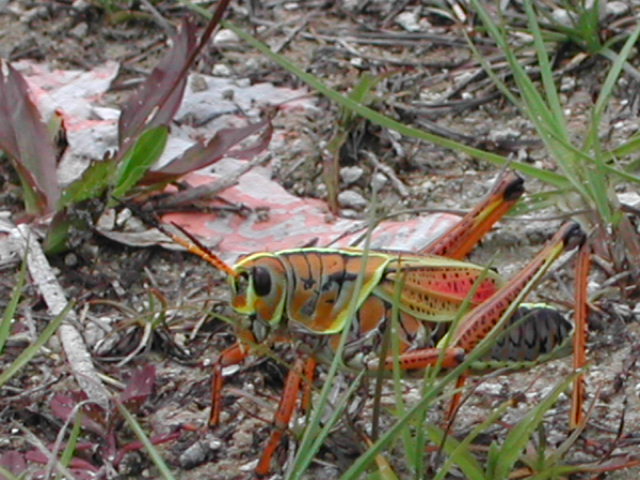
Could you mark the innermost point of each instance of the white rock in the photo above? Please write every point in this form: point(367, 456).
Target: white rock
point(351, 175)
point(351, 199)
point(409, 21)
point(616, 9)
point(220, 70)
point(225, 36)
point(562, 16)
point(630, 198)
point(378, 181)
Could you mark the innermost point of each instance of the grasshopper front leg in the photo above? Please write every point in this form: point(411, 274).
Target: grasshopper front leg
point(233, 355)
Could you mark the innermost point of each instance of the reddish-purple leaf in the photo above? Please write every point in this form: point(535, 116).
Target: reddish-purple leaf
point(36, 456)
point(24, 137)
point(13, 461)
point(158, 98)
point(202, 155)
point(139, 387)
point(62, 406)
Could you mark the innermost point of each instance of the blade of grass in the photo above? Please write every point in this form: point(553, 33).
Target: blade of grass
point(156, 458)
point(518, 438)
point(546, 71)
point(459, 452)
point(32, 350)
point(69, 449)
point(12, 307)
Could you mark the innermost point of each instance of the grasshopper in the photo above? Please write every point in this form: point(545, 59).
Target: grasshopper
point(303, 295)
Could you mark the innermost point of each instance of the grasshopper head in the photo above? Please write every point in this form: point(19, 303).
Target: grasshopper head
point(259, 287)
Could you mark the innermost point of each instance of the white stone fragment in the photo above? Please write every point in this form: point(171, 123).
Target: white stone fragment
point(352, 199)
point(351, 175)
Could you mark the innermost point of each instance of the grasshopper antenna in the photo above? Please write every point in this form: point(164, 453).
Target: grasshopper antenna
point(195, 246)
point(185, 239)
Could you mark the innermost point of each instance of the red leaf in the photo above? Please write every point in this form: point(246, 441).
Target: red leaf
point(13, 461)
point(140, 386)
point(199, 155)
point(158, 98)
point(62, 406)
point(25, 138)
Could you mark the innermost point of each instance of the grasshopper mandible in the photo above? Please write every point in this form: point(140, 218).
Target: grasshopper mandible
point(305, 293)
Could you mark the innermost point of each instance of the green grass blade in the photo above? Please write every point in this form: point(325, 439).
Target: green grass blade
point(155, 456)
point(518, 438)
point(12, 307)
point(32, 350)
point(312, 440)
point(67, 453)
point(614, 74)
point(459, 452)
point(546, 70)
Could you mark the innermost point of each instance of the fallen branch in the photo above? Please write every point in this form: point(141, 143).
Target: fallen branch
point(72, 342)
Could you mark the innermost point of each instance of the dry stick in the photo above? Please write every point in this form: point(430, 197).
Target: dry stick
point(72, 343)
point(400, 187)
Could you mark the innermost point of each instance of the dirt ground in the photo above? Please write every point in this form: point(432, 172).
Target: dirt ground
point(115, 285)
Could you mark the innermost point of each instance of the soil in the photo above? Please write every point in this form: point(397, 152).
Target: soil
point(123, 289)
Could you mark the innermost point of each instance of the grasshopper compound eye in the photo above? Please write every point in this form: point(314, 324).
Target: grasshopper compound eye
point(261, 281)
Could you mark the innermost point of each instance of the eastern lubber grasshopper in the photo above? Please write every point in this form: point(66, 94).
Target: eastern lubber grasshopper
point(302, 295)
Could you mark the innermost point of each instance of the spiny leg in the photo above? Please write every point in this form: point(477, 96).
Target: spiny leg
point(233, 355)
point(309, 375)
point(580, 335)
point(282, 417)
point(481, 321)
point(458, 241)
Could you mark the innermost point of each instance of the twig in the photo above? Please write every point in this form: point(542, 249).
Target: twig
point(391, 175)
point(55, 298)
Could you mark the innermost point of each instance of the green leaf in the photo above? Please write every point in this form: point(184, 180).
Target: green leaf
point(10, 311)
point(92, 184)
point(139, 159)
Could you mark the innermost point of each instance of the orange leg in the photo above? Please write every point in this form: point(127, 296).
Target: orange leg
point(283, 416)
point(457, 397)
point(581, 334)
point(231, 356)
point(309, 375)
point(462, 237)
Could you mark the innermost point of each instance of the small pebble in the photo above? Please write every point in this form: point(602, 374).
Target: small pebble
point(378, 181)
point(617, 9)
point(351, 175)
point(225, 36)
point(352, 199)
point(409, 21)
point(220, 70)
point(194, 455)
